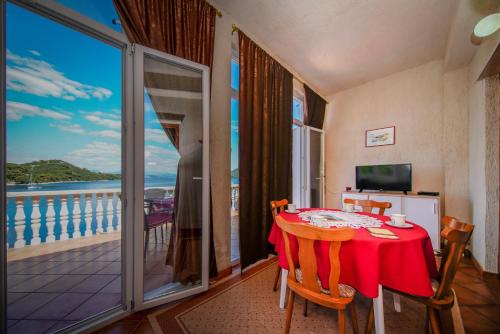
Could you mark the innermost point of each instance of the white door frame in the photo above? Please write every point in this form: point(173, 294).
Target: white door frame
point(138, 258)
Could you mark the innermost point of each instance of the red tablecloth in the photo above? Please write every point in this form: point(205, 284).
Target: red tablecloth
point(407, 264)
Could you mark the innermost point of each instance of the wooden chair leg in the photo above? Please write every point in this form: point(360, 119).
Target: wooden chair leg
point(161, 230)
point(156, 241)
point(305, 307)
point(371, 319)
point(277, 278)
point(435, 321)
point(289, 311)
point(341, 321)
point(354, 318)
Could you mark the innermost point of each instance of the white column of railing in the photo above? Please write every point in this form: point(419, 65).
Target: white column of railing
point(19, 223)
point(50, 220)
point(64, 218)
point(88, 215)
point(77, 216)
point(36, 220)
point(99, 214)
point(235, 195)
point(118, 209)
point(109, 211)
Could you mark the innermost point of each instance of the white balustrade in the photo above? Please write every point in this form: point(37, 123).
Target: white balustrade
point(107, 206)
point(99, 214)
point(19, 223)
point(36, 221)
point(77, 217)
point(88, 215)
point(109, 211)
point(50, 219)
point(63, 218)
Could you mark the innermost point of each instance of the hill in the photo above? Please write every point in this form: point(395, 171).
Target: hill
point(53, 171)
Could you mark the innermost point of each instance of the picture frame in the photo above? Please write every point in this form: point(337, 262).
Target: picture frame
point(380, 137)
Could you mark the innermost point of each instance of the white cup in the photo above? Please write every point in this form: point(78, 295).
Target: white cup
point(292, 207)
point(398, 219)
point(348, 207)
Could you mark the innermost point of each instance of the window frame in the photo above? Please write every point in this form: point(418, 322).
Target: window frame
point(299, 96)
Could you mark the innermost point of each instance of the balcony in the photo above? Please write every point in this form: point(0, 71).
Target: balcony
point(64, 256)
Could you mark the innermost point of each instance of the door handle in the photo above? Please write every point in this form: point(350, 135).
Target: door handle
point(197, 178)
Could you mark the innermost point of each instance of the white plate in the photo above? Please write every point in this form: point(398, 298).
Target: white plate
point(296, 211)
point(391, 223)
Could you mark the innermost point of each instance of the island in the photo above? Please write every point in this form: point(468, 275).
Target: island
point(46, 171)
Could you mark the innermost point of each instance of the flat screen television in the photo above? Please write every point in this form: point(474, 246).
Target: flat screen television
point(384, 177)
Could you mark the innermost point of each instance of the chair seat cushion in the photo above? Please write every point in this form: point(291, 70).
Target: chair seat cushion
point(345, 290)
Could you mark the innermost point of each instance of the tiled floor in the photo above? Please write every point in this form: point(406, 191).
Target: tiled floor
point(49, 292)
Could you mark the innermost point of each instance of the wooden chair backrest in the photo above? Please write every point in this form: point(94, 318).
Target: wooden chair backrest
point(368, 205)
point(306, 236)
point(456, 234)
point(278, 206)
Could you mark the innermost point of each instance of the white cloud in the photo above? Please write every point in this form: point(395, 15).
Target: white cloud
point(35, 53)
point(34, 76)
point(101, 156)
point(17, 110)
point(160, 160)
point(107, 134)
point(99, 119)
point(156, 135)
point(73, 128)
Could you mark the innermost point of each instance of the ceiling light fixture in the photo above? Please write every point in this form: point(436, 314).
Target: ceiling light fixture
point(486, 27)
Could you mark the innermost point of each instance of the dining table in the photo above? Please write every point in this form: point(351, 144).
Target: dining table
point(368, 263)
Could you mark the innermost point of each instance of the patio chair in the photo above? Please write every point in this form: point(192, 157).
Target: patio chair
point(157, 212)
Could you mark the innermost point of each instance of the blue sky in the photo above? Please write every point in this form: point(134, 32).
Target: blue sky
point(64, 98)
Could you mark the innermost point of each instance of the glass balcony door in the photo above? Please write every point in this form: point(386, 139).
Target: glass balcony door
point(171, 177)
point(314, 168)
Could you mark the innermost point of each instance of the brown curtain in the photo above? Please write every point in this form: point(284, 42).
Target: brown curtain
point(315, 113)
point(186, 29)
point(265, 128)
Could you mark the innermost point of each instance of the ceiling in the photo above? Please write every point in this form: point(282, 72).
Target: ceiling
point(337, 44)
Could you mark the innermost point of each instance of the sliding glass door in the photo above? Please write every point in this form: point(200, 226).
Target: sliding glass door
point(315, 167)
point(171, 221)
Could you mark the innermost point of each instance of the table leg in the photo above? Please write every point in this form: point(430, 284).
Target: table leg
point(397, 302)
point(378, 309)
point(284, 275)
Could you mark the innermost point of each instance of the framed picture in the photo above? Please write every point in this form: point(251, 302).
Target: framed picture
point(380, 137)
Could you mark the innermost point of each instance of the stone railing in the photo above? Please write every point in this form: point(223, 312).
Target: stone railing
point(235, 197)
point(48, 216)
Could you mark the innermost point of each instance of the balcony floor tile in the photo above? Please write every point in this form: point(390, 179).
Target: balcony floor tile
point(97, 303)
point(93, 283)
point(63, 284)
point(27, 305)
point(32, 326)
point(34, 283)
point(60, 306)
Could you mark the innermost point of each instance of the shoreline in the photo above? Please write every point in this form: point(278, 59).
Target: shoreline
point(42, 183)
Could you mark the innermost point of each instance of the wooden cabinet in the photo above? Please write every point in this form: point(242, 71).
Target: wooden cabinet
point(420, 210)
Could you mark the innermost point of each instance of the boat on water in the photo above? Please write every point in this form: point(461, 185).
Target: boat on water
point(31, 185)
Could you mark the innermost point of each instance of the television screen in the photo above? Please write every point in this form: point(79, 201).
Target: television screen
point(384, 177)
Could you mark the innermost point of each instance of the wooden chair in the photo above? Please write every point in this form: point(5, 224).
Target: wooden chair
point(368, 205)
point(278, 207)
point(456, 234)
point(304, 280)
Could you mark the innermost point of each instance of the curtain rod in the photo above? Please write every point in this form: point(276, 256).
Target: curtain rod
point(235, 28)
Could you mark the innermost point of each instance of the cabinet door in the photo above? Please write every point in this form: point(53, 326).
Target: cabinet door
point(353, 196)
point(394, 200)
point(424, 212)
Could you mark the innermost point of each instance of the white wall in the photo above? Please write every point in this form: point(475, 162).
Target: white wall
point(412, 101)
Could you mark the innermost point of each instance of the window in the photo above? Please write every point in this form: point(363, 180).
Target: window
point(64, 120)
point(235, 83)
point(102, 11)
point(298, 110)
